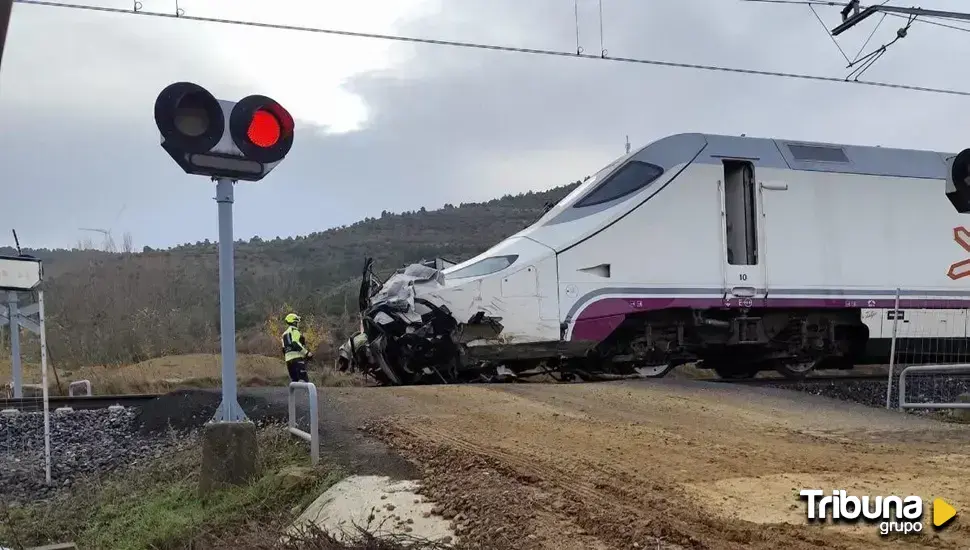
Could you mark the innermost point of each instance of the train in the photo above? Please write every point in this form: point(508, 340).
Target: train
point(736, 254)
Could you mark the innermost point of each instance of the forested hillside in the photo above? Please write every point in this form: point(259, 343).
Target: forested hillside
point(123, 307)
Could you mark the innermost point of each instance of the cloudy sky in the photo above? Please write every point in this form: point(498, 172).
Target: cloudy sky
point(394, 126)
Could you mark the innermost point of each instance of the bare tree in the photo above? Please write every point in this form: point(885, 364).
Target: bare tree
point(108, 245)
point(127, 244)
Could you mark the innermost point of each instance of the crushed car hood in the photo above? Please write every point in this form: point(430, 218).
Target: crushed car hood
point(398, 291)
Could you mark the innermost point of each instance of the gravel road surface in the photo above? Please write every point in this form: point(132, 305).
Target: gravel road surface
point(688, 464)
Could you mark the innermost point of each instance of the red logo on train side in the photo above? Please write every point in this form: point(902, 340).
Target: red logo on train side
point(960, 269)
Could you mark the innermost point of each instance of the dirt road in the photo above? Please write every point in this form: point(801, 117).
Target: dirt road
point(621, 465)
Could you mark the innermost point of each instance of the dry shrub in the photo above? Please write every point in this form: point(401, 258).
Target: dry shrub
point(315, 329)
point(322, 334)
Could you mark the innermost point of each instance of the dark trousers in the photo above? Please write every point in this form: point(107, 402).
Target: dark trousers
point(297, 370)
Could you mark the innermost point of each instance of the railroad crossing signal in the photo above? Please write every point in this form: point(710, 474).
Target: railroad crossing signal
point(241, 140)
point(958, 181)
point(227, 141)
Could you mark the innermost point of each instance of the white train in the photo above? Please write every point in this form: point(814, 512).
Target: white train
point(740, 254)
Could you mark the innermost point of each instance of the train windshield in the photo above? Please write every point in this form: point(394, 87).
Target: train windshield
point(632, 177)
point(581, 189)
point(485, 266)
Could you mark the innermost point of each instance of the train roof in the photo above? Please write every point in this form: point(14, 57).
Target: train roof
point(798, 155)
point(680, 149)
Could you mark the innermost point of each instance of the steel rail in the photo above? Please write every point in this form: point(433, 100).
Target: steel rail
point(806, 380)
point(28, 404)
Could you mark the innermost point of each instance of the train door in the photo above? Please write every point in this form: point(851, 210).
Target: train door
point(744, 269)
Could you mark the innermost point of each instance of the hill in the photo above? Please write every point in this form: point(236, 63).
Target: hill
point(126, 307)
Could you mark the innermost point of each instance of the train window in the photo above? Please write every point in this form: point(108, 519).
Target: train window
point(485, 266)
point(740, 213)
point(632, 177)
point(817, 153)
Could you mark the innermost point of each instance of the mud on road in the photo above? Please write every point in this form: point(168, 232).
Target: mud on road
point(691, 465)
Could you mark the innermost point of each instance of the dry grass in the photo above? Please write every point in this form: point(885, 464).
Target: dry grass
point(165, 374)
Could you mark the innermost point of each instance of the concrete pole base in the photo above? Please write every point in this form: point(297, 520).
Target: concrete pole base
point(229, 455)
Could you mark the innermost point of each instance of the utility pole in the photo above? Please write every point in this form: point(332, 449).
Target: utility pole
point(628, 145)
point(6, 8)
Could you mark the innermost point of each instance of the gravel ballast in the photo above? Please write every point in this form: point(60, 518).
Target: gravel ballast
point(96, 442)
point(83, 442)
point(872, 393)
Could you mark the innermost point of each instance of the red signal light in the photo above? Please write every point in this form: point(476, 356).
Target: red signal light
point(264, 129)
point(261, 128)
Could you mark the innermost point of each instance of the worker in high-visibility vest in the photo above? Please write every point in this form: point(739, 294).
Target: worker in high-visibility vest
point(295, 350)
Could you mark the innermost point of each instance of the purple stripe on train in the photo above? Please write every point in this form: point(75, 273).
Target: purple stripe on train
point(600, 318)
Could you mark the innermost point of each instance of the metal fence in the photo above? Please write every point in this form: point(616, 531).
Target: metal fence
point(947, 400)
point(929, 355)
point(313, 436)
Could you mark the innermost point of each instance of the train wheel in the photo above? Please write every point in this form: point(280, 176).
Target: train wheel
point(795, 371)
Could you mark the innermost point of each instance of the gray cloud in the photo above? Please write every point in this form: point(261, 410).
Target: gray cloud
point(451, 125)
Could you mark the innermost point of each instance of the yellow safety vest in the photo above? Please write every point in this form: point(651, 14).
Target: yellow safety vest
point(293, 347)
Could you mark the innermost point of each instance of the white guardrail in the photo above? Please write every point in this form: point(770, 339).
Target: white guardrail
point(314, 434)
point(903, 404)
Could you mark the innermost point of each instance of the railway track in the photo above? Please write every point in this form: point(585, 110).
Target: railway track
point(76, 402)
point(806, 380)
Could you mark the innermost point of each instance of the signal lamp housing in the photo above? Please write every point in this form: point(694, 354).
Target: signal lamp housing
point(206, 136)
point(958, 181)
point(189, 117)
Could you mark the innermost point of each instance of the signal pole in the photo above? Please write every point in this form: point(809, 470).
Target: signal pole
point(13, 316)
point(229, 409)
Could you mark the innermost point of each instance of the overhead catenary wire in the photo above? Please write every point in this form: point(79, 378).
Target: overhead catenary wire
point(834, 41)
point(868, 39)
point(496, 47)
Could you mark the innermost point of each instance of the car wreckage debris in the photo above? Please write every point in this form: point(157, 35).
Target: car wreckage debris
point(406, 340)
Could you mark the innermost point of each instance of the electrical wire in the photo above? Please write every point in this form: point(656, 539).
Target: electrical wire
point(932, 22)
point(871, 34)
point(834, 41)
point(800, 2)
point(493, 47)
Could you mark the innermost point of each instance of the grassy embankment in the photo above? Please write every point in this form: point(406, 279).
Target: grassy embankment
point(157, 505)
point(165, 374)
